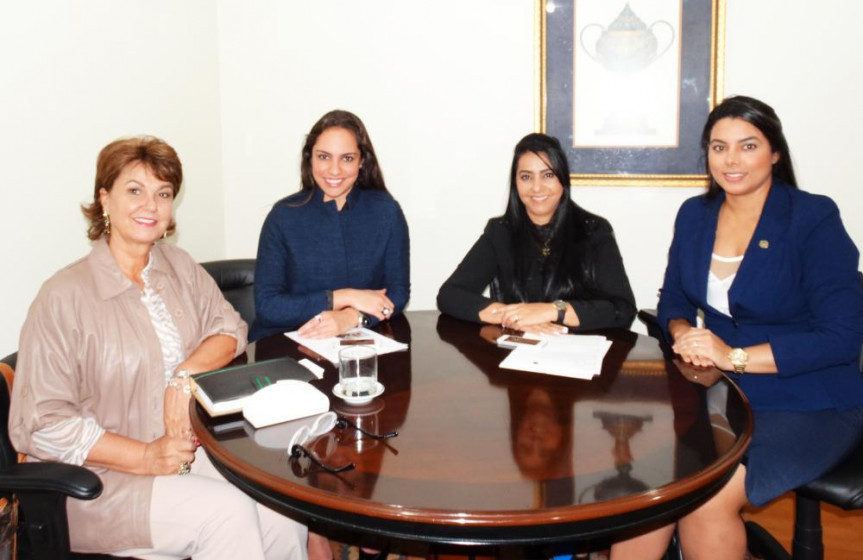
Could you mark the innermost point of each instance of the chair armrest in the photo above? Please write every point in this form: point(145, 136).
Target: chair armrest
point(651, 321)
point(69, 480)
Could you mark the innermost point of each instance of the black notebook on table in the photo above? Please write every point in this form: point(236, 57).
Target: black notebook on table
point(224, 391)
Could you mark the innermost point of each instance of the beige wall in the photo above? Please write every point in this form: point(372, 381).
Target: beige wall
point(445, 88)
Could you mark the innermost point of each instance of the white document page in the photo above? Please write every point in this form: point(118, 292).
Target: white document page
point(577, 356)
point(329, 347)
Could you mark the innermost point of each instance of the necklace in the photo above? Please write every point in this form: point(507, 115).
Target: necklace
point(542, 236)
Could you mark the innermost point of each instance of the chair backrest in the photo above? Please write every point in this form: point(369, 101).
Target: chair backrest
point(8, 455)
point(11, 360)
point(236, 279)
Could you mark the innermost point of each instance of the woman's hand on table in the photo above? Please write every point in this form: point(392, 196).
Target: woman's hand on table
point(492, 314)
point(700, 347)
point(521, 315)
point(544, 328)
point(371, 302)
point(329, 323)
point(165, 456)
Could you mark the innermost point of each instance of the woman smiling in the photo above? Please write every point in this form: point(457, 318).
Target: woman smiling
point(335, 255)
point(762, 283)
point(103, 378)
point(551, 265)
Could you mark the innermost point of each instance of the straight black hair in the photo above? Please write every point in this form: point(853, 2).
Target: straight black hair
point(569, 266)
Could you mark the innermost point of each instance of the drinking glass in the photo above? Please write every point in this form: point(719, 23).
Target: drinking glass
point(358, 371)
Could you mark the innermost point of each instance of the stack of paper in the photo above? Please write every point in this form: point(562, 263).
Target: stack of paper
point(578, 356)
point(329, 347)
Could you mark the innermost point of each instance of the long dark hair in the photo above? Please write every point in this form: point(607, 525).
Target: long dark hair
point(569, 265)
point(761, 116)
point(370, 176)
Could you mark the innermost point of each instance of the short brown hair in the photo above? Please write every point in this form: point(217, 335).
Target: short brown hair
point(156, 154)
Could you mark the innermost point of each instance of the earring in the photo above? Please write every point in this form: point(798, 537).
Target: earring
point(106, 220)
point(165, 234)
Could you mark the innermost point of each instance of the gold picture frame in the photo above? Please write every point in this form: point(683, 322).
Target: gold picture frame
point(569, 33)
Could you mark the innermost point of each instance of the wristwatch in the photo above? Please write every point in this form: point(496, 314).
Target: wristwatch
point(738, 358)
point(560, 305)
point(362, 320)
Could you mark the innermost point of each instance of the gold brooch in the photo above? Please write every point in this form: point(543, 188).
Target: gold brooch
point(764, 244)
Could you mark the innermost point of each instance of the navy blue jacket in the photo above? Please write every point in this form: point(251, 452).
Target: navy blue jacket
point(307, 249)
point(797, 288)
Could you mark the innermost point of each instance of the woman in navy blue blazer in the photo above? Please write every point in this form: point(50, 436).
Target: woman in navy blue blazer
point(762, 282)
point(334, 255)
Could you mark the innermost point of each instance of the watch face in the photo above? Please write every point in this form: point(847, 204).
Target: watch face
point(738, 357)
point(559, 304)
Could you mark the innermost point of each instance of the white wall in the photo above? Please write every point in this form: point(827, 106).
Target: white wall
point(445, 88)
point(446, 94)
point(73, 77)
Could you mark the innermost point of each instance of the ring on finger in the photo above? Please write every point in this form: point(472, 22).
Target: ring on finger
point(184, 468)
point(386, 311)
point(318, 317)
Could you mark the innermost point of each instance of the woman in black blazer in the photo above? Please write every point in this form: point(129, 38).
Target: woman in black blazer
point(551, 265)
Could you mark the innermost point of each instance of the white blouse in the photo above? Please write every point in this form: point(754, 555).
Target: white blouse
point(717, 289)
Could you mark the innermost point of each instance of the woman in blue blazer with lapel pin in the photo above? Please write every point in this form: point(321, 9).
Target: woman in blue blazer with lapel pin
point(762, 282)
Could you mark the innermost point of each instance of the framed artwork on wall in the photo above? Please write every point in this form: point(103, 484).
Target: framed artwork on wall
point(626, 86)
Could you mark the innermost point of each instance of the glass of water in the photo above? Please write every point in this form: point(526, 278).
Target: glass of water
point(358, 370)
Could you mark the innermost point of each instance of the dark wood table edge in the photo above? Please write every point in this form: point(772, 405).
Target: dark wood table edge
point(622, 515)
point(468, 534)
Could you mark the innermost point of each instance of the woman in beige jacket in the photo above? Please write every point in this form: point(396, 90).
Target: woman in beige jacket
point(103, 378)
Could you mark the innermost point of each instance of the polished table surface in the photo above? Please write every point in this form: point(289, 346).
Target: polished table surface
point(493, 456)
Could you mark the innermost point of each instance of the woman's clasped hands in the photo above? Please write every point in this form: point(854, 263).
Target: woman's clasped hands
point(535, 318)
point(700, 347)
point(174, 452)
point(347, 303)
point(169, 455)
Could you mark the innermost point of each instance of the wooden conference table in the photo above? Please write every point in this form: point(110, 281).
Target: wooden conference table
point(487, 456)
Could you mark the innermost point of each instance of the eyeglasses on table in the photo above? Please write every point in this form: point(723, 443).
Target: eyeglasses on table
point(322, 425)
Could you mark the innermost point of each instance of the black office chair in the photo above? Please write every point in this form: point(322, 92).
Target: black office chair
point(236, 279)
point(41, 489)
point(841, 487)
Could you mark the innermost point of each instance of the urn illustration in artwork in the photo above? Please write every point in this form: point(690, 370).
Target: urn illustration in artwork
point(627, 44)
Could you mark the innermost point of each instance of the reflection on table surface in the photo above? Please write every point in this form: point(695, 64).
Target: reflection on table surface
point(479, 441)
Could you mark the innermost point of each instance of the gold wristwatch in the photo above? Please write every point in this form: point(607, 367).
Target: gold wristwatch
point(738, 358)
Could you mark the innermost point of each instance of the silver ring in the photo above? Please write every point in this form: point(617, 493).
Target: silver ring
point(185, 468)
point(318, 317)
point(386, 311)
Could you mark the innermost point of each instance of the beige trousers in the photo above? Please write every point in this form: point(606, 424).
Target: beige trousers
point(203, 516)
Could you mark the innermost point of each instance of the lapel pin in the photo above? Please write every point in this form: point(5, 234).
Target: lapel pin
point(764, 244)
